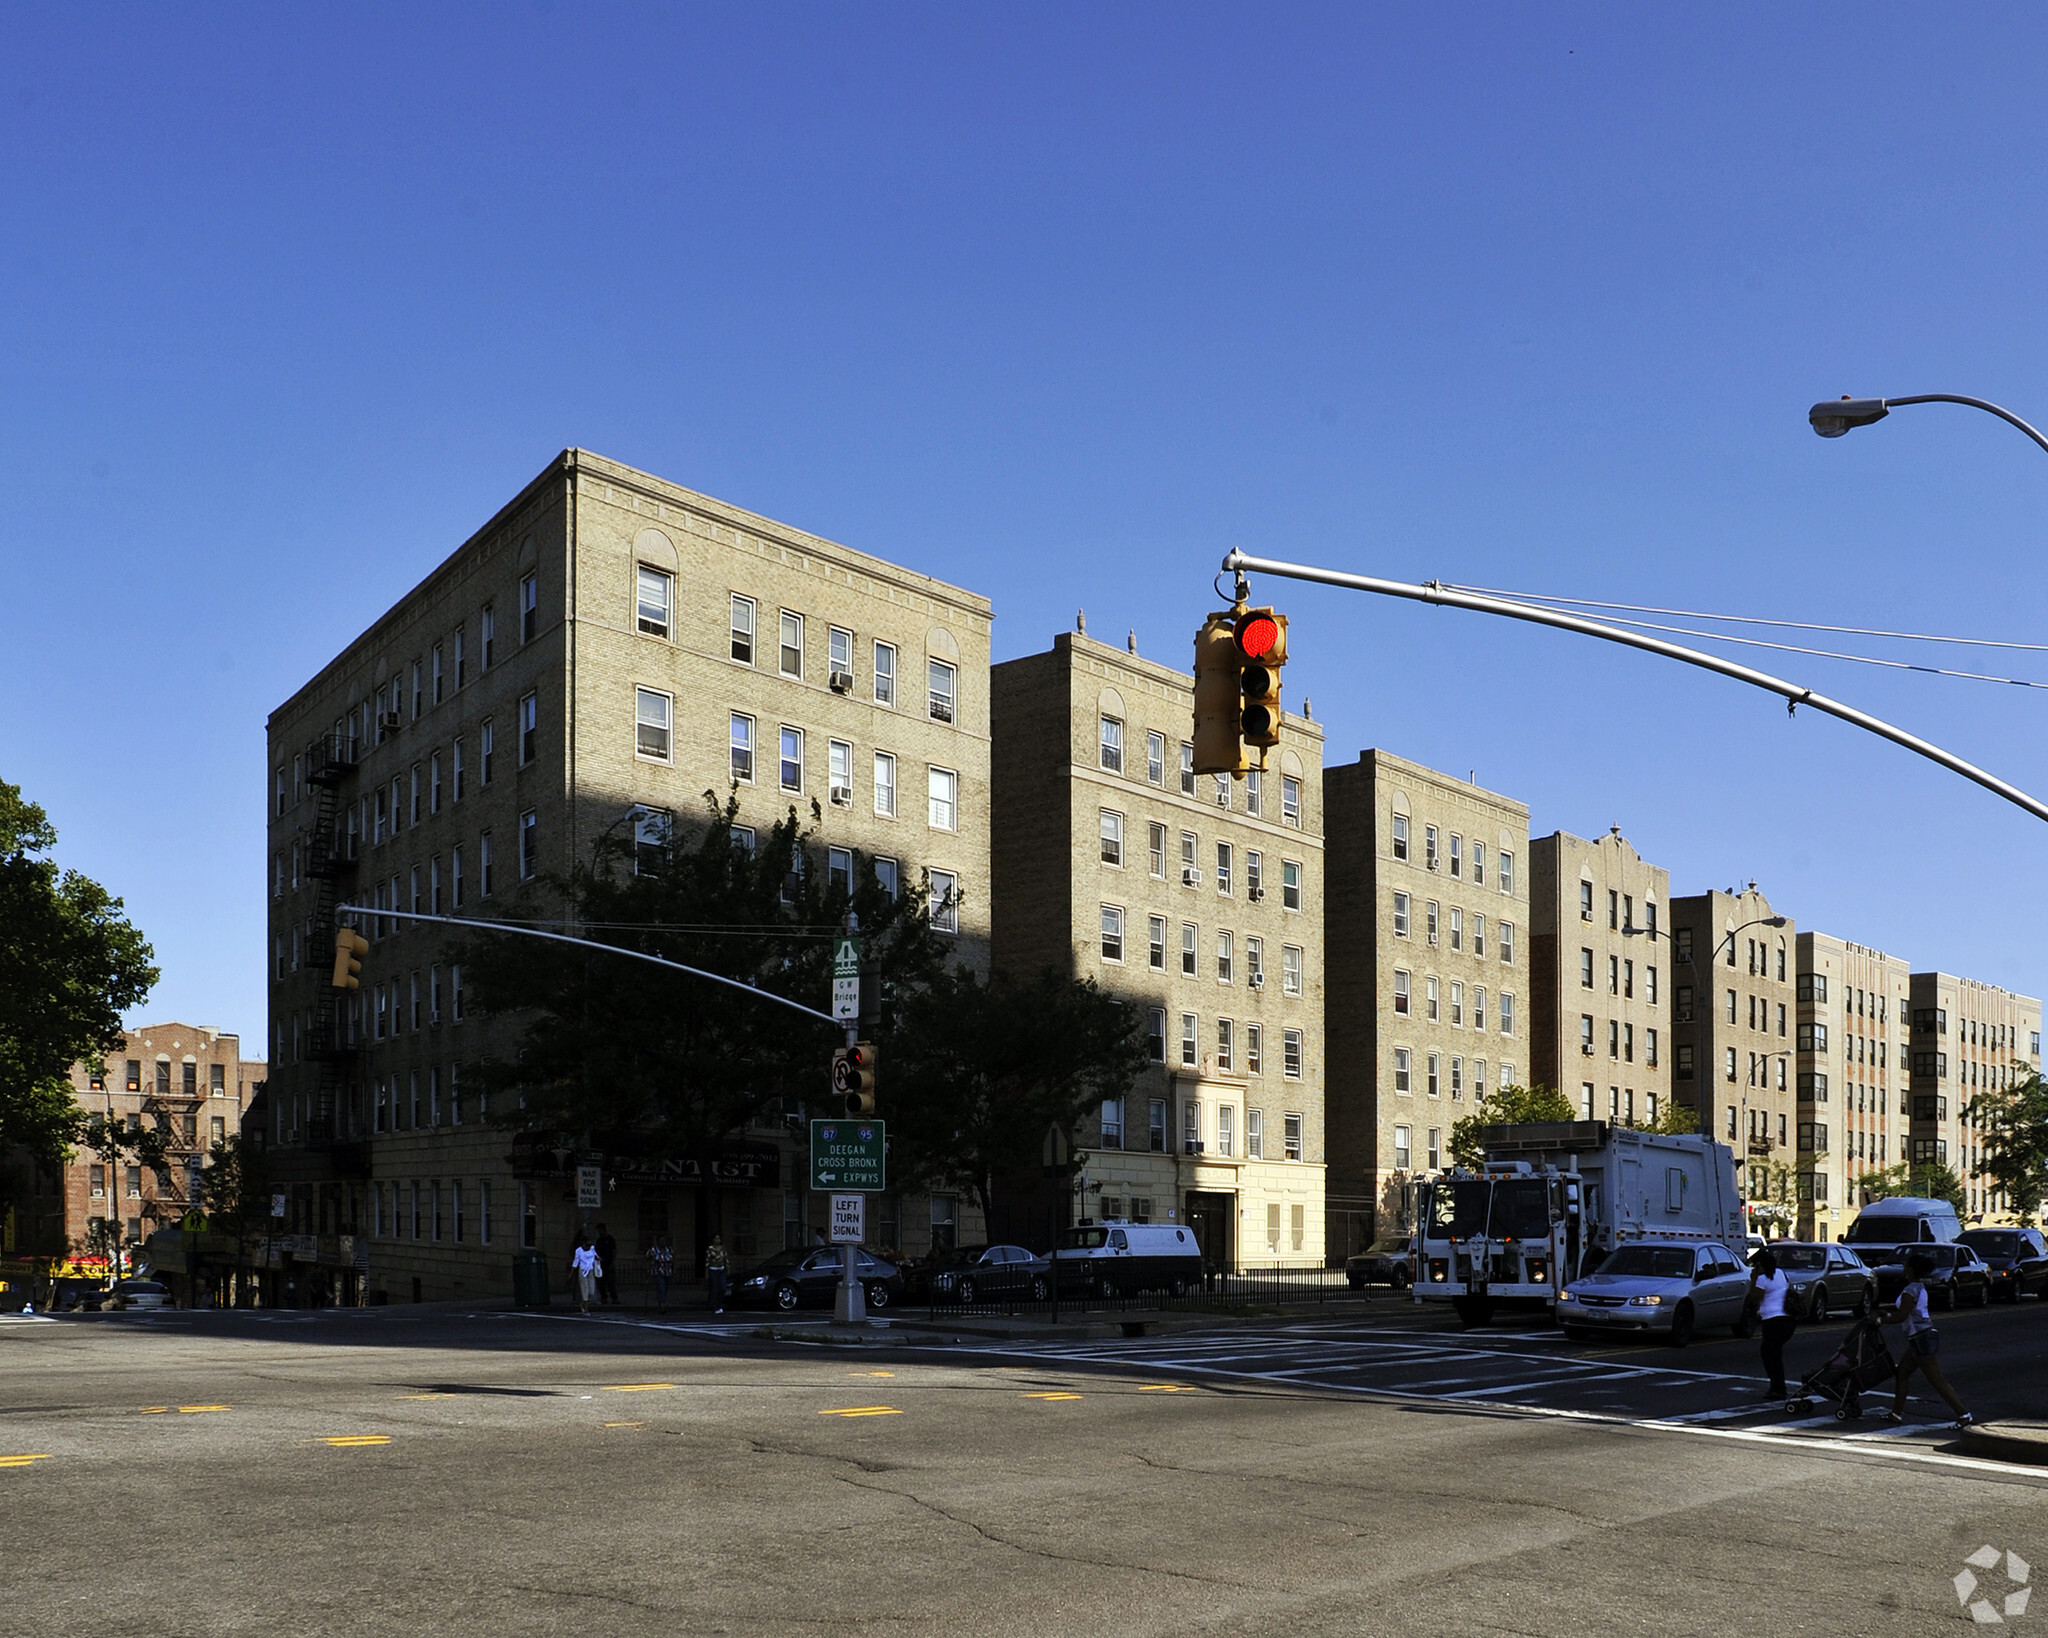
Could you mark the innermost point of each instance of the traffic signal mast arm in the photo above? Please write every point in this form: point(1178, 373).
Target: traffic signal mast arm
point(558, 938)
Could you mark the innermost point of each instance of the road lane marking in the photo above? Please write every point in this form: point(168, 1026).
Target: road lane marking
point(22, 1461)
point(870, 1373)
point(194, 1410)
point(863, 1410)
point(1052, 1395)
point(350, 1441)
point(625, 1424)
point(1507, 1387)
point(1165, 1387)
point(636, 1387)
point(1903, 1431)
point(426, 1396)
point(154, 1410)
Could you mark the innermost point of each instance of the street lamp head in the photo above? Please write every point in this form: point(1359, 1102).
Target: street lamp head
point(1837, 416)
point(1774, 921)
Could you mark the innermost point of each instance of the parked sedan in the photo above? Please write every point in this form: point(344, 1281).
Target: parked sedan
point(1661, 1287)
point(1959, 1275)
point(1385, 1262)
point(2016, 1259)
point(810, 1279)
point(981, 1272)
point(1826, 1279)
point(139, 1294)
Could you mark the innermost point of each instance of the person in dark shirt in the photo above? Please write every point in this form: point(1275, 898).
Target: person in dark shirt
point(608, 1262)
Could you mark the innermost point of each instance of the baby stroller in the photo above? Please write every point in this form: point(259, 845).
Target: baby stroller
point(1862, 1361)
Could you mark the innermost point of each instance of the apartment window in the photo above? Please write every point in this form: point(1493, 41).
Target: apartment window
point(1112, 1123)
point(886, 872)
point(529, 846)
point(1728, 1070)
point(1187, 769)
point(1478, 864)
point(1507, 1012)
point(1190, 871)
point(1155, 759)
point(1650, 1047)
point(455, 874)
point(461, 765)
point(486, 741)
point(1155, 849)
point(1223, 862)
point(1155, 1040)
point(1254, 874)
point(1112, 750)
point(742, 645)
point(1255, 1137)
point(1190, 1126)
point(1112, 846)
point(1479, 937)
point(1222, 790)
point(1457, 928)
point(839, 868)
point(1290, 969)
point(1188, 938)
point(944, 680)
point(1431, 990)
point(742, 741)
point(1478, 1006)
point(1290, 885)
point(1628, 1043)
point(1586, 1034)
point(434, 671)
point(792, 759)
point(529, 608)
point(839, 772)
point(529, 728)
point(434, 783)
point(945, 901)
point(1400, 915)
point(1457, 853)
point(885, 785)
point(1226, 1044)
point(1225, 958)
point(1432, 1078)
point(434, 885)
point(652, 604)
point(1781, 1014)
point(839, 658)
point(1290, 800)
point(1613, 1039)
point(1401, 1147)
point(1155, 943)
point(1614, 975)
point(885, 673)
point(943, 796)
point(1731, 1009)
point(1112, 933)
point(1188, 1048)
point(1290, 1059)
point(1585, 901)
point(792, 647)
point(1254, 1061)
point(1400, 835)
point(1401, 991)
point(651, 713)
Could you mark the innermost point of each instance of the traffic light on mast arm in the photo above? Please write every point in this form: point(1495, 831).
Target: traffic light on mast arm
point(1261, 638)
point(853, 1076)
point(349, 949)
point(1219, 707)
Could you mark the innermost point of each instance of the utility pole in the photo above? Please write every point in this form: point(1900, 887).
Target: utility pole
point(850, 1306)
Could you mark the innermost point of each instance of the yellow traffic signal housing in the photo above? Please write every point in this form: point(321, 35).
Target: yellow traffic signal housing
point(1260, 637)
point(1218, 702)
point(853, 1077)
point(349, 949)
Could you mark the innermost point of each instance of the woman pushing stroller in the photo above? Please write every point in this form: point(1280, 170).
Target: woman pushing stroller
point(1923, 1342)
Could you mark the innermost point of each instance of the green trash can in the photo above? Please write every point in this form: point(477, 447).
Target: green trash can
point(529, 1280)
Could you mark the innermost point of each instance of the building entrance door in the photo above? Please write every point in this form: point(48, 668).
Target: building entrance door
point(1212, 1215)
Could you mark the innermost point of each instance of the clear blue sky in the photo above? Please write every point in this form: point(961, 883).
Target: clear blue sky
point(1059, 303)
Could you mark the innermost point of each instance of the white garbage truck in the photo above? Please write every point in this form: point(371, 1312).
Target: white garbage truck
point(1553, 1199)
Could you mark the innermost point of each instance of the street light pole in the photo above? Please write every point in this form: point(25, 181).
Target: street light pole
point(1834, 417)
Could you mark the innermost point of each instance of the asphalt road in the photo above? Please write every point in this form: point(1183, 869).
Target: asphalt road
point(426, 1471)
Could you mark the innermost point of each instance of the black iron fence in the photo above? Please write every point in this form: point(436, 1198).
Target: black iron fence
point(1222, 1291)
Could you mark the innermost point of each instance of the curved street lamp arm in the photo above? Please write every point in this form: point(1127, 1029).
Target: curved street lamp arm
point(1434, 592)
point(1974, 403)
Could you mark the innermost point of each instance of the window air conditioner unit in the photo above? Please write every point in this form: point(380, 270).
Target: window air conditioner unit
point(1190, 876)
point(842, 796)
point(1194, 1146)
point(1255, 894)
point(1258, 981)
point(1585, 1049)
point(841, 682)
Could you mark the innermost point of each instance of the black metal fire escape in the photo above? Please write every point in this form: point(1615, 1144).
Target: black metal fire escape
point(330, 761)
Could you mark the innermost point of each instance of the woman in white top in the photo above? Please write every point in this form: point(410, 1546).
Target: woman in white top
point(1923, 1342)
point(583, 1262)
point(1768, 1289)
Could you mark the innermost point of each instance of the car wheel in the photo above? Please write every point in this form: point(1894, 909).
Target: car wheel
point(878, 1295)
point(1039, 1289)
point(1983, 1297)
point(1681, 1325)
point(1818, 1312)
point(967, 1291)
point(786, 1295)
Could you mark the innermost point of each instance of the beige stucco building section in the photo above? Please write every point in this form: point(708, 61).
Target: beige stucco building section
point(1851, 1053)
point(1968, 1037)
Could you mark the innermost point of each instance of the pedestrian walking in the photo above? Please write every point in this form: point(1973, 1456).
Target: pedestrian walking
point(661, 1264)
point(607, 1265)
point(584, 1264)
point(1768, 1292)
point(715, 1265)
point(1923, 1342)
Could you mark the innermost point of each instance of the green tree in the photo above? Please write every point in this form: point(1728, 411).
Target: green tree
point(1675, 1119)
point(2011, 1123)
point(976, 1072)
point(237, 1182)
point(1511, 1105)
point(1929, 1179)
point(70, 965)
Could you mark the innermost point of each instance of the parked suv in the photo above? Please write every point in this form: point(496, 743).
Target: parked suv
point(2016, 1259)
point(1386, 1262)
point(1825, 1279)
point(1659, 1287)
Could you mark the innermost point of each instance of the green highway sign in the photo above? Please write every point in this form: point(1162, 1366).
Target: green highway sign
point(849, 1156)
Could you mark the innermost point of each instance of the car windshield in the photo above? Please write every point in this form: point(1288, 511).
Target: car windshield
point(1504, 1208)
point(1391, 1248)
point(1651, 1262)
point(1883, 1230)
point(1993, 1242)
point(1084, 1239)
point(1939, 1256)
point(1800, 1259)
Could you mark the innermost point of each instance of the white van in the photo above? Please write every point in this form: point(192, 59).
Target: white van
point(1901, 1220)
point(1112, 1258)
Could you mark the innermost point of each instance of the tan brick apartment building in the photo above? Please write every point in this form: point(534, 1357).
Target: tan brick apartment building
point(1968, 1037)
point(1427, 925)
point(1599, 975)
point(605, 651)
point(1199, 899)
point(1734, 986)
point(1851, 1042)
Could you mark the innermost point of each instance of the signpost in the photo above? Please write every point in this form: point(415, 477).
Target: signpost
point(849, 1155)
point(589, 1187)
point(849, 1219)
point(846, 979)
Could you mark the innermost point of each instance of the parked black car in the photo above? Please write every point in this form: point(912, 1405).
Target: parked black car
point(1385, 1262)
point(2016, 1258)
point(810, 1279)
point(976, 1273)
point(1959, 1275)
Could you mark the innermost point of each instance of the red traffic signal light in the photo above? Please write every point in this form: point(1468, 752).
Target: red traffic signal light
point(1261, 638)
point(853, 1077)
point(1259, 633)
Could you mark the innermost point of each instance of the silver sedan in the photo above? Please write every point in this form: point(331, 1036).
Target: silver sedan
point(1668, 1288)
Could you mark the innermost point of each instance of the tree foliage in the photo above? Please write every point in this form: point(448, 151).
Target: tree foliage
point(1510, 1106)
point(1930, 1180)
point(237, 1182)
point(70, 965)
point(978, 1071)
point(2011, 1123)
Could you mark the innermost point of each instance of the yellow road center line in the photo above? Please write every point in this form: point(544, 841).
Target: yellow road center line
point(1166, 1387)
point(426, 1396)
point(154, 1410)
point(1052, 1396)
point(863, 1410)
point(625, 1424)
point(21, 1461)
point(870, 1373)
point(637, 1387)
point(194, 1410)
point(348, 1441)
